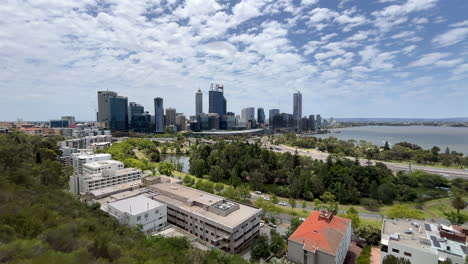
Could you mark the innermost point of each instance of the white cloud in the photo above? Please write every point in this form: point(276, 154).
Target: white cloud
point(309, 2)
point(429, 59)
point(409, 49)
point(451, 37)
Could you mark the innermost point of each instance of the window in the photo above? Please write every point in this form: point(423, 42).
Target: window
point(146, 215)
point(139, 218)
point(384, 248)
point(395, 250)
point(407, 254)
point(157, 211)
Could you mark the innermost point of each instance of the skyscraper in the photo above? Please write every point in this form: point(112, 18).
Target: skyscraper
point(217, 102)
point(158, 115)
point(198, 102)
point(71, 119)
point(297, 110)
point(103, 114)
point(134, 109)
point(118, 120)
point(170, 116)
point(272, 113)
point(318, 122)
point(311, 122)
point(260, 115)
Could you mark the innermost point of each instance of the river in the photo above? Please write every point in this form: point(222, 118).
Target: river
point(456, 138)
point(178, 158)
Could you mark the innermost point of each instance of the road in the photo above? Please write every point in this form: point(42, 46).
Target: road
point(315, 154)
point(285, 218)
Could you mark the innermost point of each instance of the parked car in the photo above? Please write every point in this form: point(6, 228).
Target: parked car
point(257, 192)
point(301, 219)
point(266, 197)
point(272, 225)
point(262, 224)
point(282, 203)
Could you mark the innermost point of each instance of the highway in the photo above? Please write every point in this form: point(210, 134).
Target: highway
point(315, 154)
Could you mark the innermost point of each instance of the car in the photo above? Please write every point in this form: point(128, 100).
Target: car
point(301, 219)
point(257, 192)
point(272, 225)
point(266, 197)
point(262, 224)
point(282, 203)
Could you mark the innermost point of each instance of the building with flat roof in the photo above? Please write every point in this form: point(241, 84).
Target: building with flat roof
point(321, 238)
point(78, 160)
point(225, 224)
point(141, 211)
point(83, 183)
point(422, 242)
point(100, 166)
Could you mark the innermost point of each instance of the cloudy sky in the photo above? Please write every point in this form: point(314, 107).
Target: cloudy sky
point(349, 58)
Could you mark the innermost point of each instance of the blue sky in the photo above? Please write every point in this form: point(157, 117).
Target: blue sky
point(349, 58)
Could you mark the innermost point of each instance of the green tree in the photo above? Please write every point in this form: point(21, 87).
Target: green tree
point(218, 187)
point(216, 173)
point(260, 248)
point(278, 246)
point(295, 223)
point(166, 168)
point(458, 203)
point(369, 233)
point(197, 167)
point(274, 199)
point(292, 202)
point(353, 214)
point(390, 259)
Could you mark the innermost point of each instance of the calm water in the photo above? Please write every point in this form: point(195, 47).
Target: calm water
point(178, 158)
point(456, 138)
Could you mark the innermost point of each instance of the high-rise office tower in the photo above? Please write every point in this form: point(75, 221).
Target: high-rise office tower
point(118, 120)
point(103, 114)
point(217, 102)
point(198, 102)
point(248, 114)
point(260, 115)
point(297, 109)
point(272, 113)
point(181, 122)
point(318, 122)
point(170, 116)
point(133, 110)
point(158, 115)
point(311, 122)
point(71, 119)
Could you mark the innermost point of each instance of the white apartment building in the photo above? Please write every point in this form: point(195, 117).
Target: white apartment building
point(421, 242)
point(78, 160)
point(140, 210)
point(100, 166)
point(86, 142)
point(83, 183)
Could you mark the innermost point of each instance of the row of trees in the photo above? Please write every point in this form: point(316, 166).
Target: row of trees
point(295, 176)
point(402, 151)
point(40, 222)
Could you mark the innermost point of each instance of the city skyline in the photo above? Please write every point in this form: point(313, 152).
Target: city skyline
point(388, 58)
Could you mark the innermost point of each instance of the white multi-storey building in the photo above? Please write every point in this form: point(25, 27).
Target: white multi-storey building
point(421, 242)
point(141, 211)
point(83, 183)
point(78, 160)
point(100, 166)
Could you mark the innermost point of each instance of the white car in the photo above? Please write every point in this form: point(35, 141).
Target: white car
point(266, 197)
point(301, 219)
point(282, 203)
point(262, 224)
point(257, 192)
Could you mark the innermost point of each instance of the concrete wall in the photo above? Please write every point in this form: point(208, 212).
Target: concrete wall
point(417, 256)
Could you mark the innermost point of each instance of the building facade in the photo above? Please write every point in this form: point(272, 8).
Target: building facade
point(272, 113)
point(260, 116)
point(217, 102)
point(170, 118)
point(103, 114)
point(297, 109)
point(61, 123)
point(225, 224)
point(321, 238)
point(158, 115)
point(71, 120)
point(198, 102)
point(141, 211)
point(118, 119)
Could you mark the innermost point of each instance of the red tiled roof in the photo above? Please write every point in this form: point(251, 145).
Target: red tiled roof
point(317, 234)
